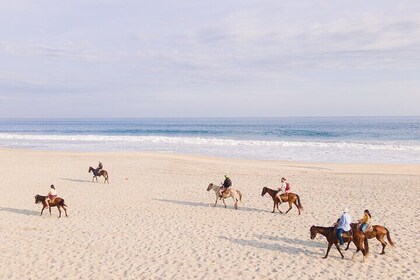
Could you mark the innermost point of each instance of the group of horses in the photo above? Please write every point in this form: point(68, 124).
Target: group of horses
point(59, 202)
point(359, 238)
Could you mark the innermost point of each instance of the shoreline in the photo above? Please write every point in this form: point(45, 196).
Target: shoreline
point(349, 168)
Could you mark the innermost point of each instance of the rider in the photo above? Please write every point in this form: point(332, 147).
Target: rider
point(226, 185)
point(99, 168)
point(284, 188)
point(343, 225)
point(365, 220)
point(52, 194)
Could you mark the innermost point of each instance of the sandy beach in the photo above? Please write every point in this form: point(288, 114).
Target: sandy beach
point(155, 221)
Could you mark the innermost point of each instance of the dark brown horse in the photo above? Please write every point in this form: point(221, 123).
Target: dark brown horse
point(58, 202)
point(292, 198)
point(358, 238)
point(98, 174)
point(377, 231)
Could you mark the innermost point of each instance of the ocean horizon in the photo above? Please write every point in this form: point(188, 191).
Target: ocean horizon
point(314, 139)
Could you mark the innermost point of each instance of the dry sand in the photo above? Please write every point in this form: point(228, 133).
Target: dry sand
point(154, 219)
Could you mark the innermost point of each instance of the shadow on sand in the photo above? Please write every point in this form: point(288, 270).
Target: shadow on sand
point(289, 240)
point(20, 211)
point(269, 246)
point(76, 180)
point(202, 204)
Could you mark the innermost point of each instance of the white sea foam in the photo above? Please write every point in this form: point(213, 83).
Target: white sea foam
point(198, 141)
point(338, 151)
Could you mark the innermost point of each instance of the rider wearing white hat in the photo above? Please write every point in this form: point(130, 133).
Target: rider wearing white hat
point(343, 225)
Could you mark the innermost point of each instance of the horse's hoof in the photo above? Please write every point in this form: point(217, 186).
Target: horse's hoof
point(383, 253)
point(324, 258)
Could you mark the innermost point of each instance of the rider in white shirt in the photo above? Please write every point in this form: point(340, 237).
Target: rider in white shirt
point(52, 194)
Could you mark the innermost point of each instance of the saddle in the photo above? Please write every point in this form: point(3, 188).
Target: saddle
point(368, 229)
point(225, 194)
point(346, 234)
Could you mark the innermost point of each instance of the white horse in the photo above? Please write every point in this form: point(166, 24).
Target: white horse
point(233, 193)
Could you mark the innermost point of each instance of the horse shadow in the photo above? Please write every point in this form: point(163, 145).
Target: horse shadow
point(202, 204)
point(20, 211)
point(268, 246)
point(76, 180)
point(290, 240)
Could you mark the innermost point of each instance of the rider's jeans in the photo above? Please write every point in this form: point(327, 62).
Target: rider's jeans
point(340, 235)
point(363, 227)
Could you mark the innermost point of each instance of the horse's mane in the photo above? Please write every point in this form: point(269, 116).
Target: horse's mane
point(40, 198)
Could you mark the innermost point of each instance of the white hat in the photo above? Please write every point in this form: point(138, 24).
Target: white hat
point(345, 210)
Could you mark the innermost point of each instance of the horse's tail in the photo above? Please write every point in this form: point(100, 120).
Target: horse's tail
point(388, 236)
point(365, 241)
point(299, 204)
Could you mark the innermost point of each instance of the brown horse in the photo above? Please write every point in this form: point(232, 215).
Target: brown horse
point(377, 231)
point(58, 202)
point(98, 174)
point(290, 197)
point(358, 237)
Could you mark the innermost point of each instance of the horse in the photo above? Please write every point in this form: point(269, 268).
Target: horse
point(98, 174)
point(58, 202)
point(377, 231)
point(358, 237)
point(290, 197)
point(235, 194)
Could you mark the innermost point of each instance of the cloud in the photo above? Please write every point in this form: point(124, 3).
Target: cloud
point(82, 51)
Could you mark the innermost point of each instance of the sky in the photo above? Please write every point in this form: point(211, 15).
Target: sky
point(110, 59)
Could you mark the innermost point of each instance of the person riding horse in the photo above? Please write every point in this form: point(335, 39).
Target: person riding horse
point(365, 221)
point(52, 194)
point(226, 185)
point(98, 169)
point(284, 188)
point(343, 225)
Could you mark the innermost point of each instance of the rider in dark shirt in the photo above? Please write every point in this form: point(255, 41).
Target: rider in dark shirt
point(99, 168)
point(226, 185)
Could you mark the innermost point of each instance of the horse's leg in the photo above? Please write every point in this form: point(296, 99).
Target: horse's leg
point(274, 207)
point(359, 248)
point(297, 206)
point(215, 203)
point(348, 244)
point(65, 210)
point(235, 202)
point(328, 250)
point(290, 207)
point(224, 202)
point(383, 242)
point(278, 208)
point(49, 208)
point(339, 250)
point(59, 211)
point(42, 210)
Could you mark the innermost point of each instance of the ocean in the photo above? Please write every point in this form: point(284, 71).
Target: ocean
point(329, 139)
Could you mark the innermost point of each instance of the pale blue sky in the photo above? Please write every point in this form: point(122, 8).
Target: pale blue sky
point(102, 58)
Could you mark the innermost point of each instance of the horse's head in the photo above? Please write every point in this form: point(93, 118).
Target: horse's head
point(38, 199)
point(264, 191)
point(90, 169)
point(210, 187)
point(313, 232)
